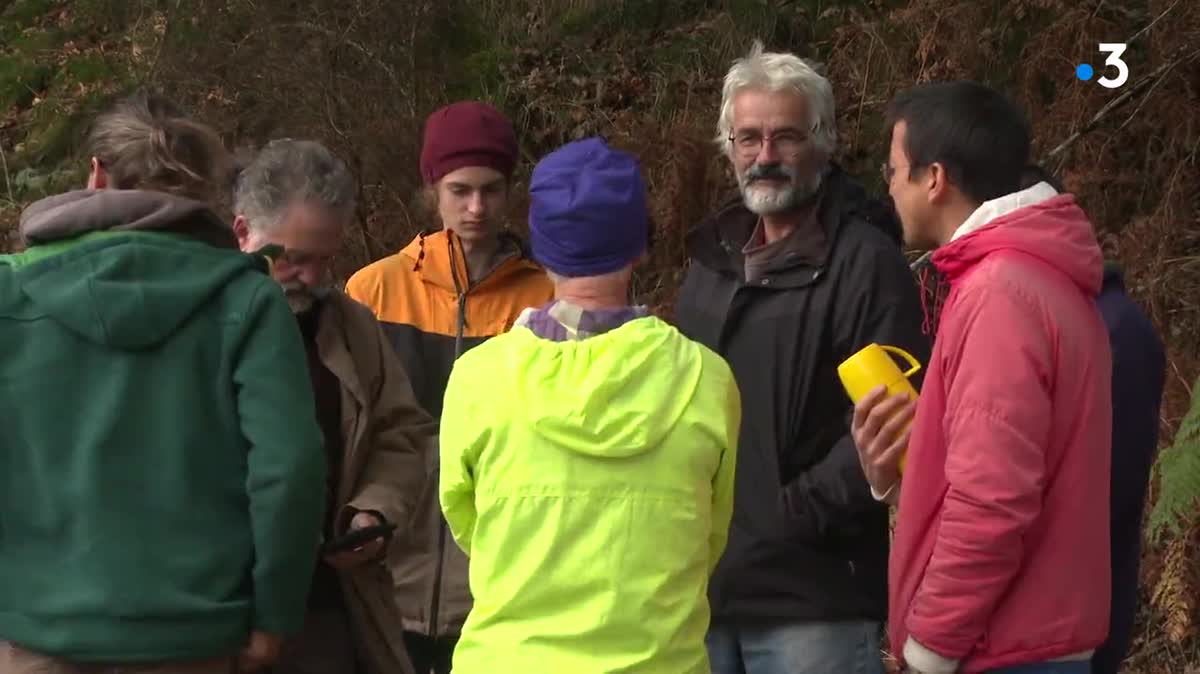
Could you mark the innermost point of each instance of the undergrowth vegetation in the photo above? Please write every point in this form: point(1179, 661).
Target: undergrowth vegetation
point(361, 75)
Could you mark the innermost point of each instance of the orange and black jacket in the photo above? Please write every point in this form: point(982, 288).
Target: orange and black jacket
point(431, 313)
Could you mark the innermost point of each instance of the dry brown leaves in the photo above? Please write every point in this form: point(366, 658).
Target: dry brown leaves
point(1175, 595)
point(1137, 174)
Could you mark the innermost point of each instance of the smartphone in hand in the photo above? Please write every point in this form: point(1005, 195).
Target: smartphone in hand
point(356, 537)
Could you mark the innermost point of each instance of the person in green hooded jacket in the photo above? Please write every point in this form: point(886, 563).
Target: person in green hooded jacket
point(161, 468)
point(588, 455)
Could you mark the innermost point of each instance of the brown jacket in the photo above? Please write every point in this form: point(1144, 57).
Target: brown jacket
point(388, 442)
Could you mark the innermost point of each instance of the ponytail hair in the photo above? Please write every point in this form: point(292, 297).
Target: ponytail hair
point(147, 142)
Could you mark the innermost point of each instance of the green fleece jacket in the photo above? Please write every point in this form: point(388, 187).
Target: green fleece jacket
point(161, 469)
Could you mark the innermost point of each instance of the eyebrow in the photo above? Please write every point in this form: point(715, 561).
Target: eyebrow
point(490, 183)
point(783, 129)
point(313, 252)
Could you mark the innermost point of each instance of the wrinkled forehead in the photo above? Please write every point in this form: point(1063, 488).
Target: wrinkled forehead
point(310, 227)
point(766, 111)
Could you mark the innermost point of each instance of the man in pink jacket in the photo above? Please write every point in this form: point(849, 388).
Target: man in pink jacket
point(1001, 554)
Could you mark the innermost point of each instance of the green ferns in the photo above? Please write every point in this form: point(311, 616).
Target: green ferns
point(1178, 468)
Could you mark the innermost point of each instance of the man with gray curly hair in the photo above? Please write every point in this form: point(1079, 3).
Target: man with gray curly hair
point(298, 196)
point(789, 278)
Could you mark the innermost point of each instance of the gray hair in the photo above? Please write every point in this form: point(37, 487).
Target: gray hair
point(147, 142)
point(288, 171)
point(774, 72)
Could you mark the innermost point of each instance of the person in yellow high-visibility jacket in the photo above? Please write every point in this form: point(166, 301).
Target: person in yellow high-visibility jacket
point(587, 456)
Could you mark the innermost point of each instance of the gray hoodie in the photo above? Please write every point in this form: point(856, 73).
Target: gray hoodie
point(78, 212)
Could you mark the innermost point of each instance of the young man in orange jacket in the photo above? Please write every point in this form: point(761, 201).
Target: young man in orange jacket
point(441, 295)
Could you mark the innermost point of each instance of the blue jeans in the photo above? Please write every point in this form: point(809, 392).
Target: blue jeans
point(1073, 667)
point(851, 647)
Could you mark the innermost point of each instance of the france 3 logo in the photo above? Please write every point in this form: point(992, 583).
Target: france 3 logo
point(1085, 72)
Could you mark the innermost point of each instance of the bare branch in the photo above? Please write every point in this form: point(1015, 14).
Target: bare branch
point(1151, 24)
point(1119, 101)
point(356, 46)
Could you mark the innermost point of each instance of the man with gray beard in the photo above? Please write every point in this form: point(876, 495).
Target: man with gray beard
point(786, 281)
point(378, 441)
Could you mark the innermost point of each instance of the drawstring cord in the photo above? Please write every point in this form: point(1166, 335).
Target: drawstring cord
point(458, 289)
point(420, 249)
point(933, 295)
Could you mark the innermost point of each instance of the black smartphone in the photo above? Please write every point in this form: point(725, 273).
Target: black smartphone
point(353, 539)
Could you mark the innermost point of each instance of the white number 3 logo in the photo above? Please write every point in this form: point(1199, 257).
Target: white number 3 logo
point(1114, 50)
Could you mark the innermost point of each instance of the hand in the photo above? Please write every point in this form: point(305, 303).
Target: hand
point(260, 652)
point(363, 553)
point(880, 435)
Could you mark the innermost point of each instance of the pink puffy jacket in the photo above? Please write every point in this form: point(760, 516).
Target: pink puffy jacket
point(1001, 552)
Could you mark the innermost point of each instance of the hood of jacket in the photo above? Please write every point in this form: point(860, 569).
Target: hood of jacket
point(70, 214)
point(613, 395)
point(124, 278)
point(1055, 231)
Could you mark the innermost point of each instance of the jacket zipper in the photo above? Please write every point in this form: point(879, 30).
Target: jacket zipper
point(441, 551)
point(439, 571)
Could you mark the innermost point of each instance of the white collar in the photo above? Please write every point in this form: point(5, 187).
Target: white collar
point(990, 210)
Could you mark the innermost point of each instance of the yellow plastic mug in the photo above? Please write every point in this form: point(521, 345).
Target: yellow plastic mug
point(873, 366)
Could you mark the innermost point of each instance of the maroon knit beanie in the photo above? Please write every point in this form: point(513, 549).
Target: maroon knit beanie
point(467, 133)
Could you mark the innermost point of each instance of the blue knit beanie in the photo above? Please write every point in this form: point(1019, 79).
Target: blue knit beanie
point(587, 214)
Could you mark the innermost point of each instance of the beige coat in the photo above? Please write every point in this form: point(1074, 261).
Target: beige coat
point(388, 441)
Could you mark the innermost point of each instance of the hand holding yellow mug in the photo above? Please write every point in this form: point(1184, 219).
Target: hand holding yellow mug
point(873, 366)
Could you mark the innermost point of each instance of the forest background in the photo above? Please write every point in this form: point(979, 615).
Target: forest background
point(361, 75)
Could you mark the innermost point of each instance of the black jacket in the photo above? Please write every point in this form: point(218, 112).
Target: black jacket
point(1139, 374)
point(807, 541)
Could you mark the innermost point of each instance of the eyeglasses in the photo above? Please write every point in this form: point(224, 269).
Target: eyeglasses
point(787, 142)
point(294, 257)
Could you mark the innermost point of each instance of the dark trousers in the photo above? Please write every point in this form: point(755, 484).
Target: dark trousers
point(324, 646)
point(430, 655)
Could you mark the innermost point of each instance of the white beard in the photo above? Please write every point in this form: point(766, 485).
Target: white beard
point(765, 199)
point(300, 302)
point(301, 298)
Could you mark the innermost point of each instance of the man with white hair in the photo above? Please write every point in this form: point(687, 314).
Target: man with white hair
point(786, 281)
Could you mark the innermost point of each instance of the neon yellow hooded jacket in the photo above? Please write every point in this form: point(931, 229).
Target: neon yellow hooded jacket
point(591, 483)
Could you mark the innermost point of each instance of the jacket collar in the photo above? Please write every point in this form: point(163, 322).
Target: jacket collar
point(438, 259)
point(1113, 277)
point(561, 321)
point(718, 240)
point(990, 210)
point(333, 344)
